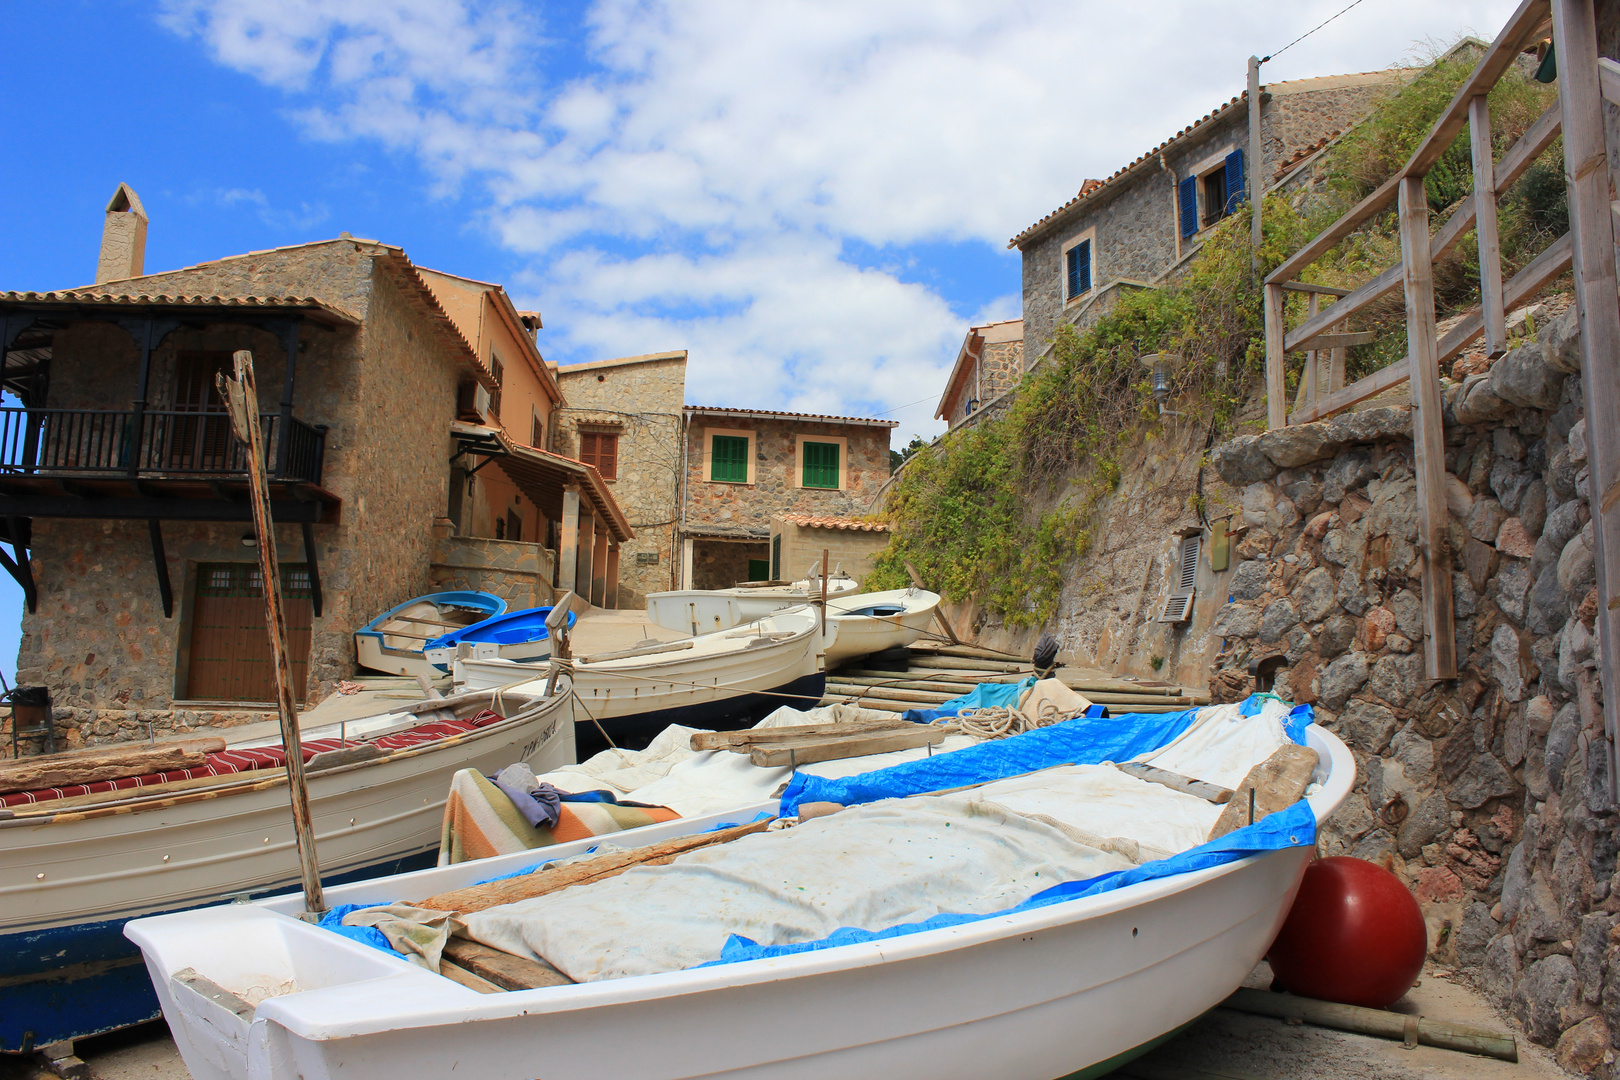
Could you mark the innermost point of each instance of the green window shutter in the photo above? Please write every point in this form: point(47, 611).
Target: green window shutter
point(820, 465)
point(729, 461)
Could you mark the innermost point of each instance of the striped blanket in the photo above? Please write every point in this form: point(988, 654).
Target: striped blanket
point(258, 757)
point(480, 821)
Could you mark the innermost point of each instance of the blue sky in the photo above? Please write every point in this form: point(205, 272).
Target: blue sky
point(812, 197)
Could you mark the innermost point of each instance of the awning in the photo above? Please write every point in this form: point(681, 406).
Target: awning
point(542, 475)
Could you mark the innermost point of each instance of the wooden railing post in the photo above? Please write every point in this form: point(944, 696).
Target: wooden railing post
point(1590, 225)
point(1490, 250)
point(1276, 368)
point(1428, 433)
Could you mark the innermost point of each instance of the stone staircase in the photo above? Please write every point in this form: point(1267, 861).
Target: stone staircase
point(927, 675)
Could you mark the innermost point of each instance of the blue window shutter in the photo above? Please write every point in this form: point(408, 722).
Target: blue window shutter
point(1236, 190)
point(1082, 259)
point(1072, 257)
point(1188, 191)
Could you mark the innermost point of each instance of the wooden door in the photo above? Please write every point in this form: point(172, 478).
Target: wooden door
point(230, 647)
point(201, 442)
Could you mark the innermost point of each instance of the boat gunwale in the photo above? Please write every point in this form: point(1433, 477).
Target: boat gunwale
point(370, 629)
point(832, 960)
point(276, 776)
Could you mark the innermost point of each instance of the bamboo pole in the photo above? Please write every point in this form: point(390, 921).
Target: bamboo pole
point(241, 396)
point(1378, 1022)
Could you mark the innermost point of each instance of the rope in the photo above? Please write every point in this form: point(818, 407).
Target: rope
point(1309, 32)
point(1000, 721)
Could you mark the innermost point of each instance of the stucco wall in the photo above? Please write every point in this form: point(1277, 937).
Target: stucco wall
point(746, 509)
point(851, 549)
point(641, 401)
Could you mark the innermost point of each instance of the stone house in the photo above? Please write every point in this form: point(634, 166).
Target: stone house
point(851, 544)
point(624, 417)
point(1146, 220)
point(987, 366)
point(745, 465)
point(123, 491)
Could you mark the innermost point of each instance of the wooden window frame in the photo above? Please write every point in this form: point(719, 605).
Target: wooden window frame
point(708, 454)
point(600, 433)
point(843, 460)
point(1201, 173)
point(1088, 237)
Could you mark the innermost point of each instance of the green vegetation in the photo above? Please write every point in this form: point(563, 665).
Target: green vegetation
point(1001, 509)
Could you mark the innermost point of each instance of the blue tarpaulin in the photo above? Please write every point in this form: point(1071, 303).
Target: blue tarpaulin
point(986, 695)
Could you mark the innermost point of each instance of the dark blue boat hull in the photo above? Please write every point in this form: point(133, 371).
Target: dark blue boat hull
point(71, 982)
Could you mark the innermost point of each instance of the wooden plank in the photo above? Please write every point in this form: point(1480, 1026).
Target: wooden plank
point(1529, 17)
point(1277, 783)
point(1323, 342)
point(1378, 1022)
point(741, 740)
point(502, 968)
point(933, 648)
point(1428, 434)
point(834, 748)
point(1321, 290)
point(1585, 152)
point(939, 615)
point(1335, 379)
point(1609, 79)
point(931, 697)
point(1490, 248)
point(1276, 372)
point(511, 890)
point(1360, 390)
point(466, 978)
point(1334, 314)
point(101, 763)
point(643, 650)
point(1307, 385)
point(1175, 781)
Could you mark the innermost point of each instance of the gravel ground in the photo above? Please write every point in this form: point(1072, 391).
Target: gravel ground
point(1225, 1045)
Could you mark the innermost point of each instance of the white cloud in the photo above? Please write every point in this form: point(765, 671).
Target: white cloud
point(738, 144)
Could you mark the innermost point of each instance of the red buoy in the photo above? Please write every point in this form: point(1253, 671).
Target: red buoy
point(1355, 935)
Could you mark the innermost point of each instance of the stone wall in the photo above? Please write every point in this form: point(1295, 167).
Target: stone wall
point(745, 510)
point(852, 549)
point(1489, 794)
point(641, 399)
point(519, 573)
point(720, 564)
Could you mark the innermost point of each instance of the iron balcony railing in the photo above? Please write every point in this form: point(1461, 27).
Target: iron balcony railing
point(152, 443)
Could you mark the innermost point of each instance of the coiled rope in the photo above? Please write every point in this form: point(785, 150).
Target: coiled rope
point(1000, 721)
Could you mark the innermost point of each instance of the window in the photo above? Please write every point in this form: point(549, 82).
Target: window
point(514, 526)
point(1077, 268)
point(729, 456)
point(1178, 608)
point(728, 460)
point(820, 462)
point(601, 448)
point(776, 557)
point(1214, 190)
point(537, 431)
point(497, 369)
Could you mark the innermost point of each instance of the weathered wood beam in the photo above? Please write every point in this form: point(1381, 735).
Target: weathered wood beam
point(1428, 433)
point(1609, 79)
point(1585, 155)
point(1276, 359)
point(1325, 341)
point(1490, 248)
point(1325, 240)
point(1322, 290)
point(1530, 16)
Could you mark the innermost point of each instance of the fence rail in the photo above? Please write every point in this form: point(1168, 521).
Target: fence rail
point(150, 443)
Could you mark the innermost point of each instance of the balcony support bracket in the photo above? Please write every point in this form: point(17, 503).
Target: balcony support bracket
point(314, 568)
point(161, 562)
point(19, 567)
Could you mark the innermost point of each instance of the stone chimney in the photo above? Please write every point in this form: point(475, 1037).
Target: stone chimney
point(123, 238)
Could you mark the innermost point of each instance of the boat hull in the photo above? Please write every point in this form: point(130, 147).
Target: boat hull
point(860, 629)
point(1033, 995)
point(393, 641)
point(68, 885)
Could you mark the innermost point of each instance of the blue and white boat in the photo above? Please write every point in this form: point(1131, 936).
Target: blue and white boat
point(393, 641)
point(74, 870)
point(520, 636)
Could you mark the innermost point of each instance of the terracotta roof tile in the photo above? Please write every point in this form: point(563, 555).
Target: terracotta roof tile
point(97, 298)
point(811, 521)
point(722, 411)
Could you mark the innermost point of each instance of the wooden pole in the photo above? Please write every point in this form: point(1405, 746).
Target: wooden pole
point(1257, 185)
point(1490, 249)
point(1276, 366)
point(1376, 1022)
point(241, 402)
point(1428, 433)
point(824, 591)
point(1585, 158)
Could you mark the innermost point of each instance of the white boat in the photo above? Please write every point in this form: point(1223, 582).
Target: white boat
point(1076, 987)
point(867, 623)
point(708, 611)
point(73, 871)
point(711, 681)
point(393, 641)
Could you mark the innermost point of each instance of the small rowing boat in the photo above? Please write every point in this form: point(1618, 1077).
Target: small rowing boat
point(393, 641)
point(519, 636)
point(866, 623)
point(77, 863)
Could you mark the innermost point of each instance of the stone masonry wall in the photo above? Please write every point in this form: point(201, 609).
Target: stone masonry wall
point(745, 510)
point(642, 401)
point(720, 564)
point(519, 573)
point(1489, 794)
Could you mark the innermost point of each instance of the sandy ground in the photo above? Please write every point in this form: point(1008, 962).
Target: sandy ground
point(1225, 1045)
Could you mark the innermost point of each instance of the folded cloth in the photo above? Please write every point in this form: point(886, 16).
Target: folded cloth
point(480, 820)
point(417, 934)
point(538, 803)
